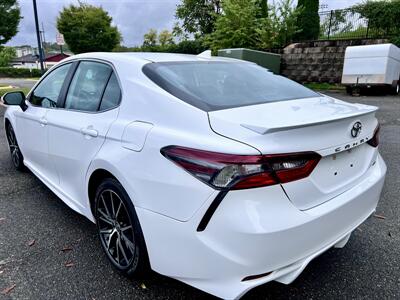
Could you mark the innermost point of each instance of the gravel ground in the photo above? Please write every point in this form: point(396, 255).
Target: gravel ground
point(368, 267)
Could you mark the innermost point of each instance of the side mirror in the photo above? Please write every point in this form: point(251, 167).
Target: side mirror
point(14, 98)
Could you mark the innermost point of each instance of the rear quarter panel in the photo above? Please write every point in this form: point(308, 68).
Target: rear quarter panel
point(152, 181)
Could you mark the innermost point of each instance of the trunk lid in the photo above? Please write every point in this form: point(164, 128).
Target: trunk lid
point(320, 124)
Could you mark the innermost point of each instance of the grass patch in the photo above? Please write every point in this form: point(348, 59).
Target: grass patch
point(25, 90)
point(324, 86)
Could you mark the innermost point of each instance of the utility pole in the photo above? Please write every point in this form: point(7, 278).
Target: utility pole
point(43, 40)
point(38, 36)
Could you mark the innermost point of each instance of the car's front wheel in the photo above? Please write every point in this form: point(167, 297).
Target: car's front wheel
point(119, 230)
point(16, 155)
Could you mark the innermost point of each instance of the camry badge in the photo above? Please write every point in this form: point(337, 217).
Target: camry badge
point(356, 130)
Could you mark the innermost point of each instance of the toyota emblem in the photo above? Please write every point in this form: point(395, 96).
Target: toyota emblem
point(356, 129)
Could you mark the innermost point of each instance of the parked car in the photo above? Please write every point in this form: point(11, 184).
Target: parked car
point(209, 170)
point(372, 66)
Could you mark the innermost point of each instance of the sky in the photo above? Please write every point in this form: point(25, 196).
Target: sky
point(132, 17)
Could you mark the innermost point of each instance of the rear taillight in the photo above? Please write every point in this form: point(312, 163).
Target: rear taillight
point(230, 171)
point(374, 142)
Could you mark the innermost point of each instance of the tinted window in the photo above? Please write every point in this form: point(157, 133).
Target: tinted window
point(219, 85)
point(87, 86)
point(112, 94)
point(48, 90)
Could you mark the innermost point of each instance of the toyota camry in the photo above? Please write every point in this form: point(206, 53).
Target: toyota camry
point(210, 170)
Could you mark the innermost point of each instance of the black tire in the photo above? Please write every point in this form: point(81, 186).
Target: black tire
point(395, 90)
point(356, 91)
point(349, 90)
point(16, 155)
point(124, 247)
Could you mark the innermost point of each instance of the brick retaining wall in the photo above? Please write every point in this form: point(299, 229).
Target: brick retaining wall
point(319, 61)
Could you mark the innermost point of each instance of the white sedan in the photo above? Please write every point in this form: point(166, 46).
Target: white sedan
point(209, 170)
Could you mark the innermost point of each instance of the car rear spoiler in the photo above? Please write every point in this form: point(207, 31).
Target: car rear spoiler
point(264, 130)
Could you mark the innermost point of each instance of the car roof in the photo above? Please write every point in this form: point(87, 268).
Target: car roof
point(146, 57)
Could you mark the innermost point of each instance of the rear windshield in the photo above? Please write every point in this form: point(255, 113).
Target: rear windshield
point(221, 85)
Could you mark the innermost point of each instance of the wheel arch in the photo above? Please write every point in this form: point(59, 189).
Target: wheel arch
point(96, 177)
point(6, 122)
point(9, 119)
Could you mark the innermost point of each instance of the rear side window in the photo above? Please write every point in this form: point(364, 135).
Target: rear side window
point(87, 86)
point(112, 94)
point(221, 85)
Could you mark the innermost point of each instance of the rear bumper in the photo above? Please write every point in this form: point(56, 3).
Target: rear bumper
point(254, 233)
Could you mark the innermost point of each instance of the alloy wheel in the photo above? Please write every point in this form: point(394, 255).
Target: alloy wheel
point(115, 229)
point(14, 149)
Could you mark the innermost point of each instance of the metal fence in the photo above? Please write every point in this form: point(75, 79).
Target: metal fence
point(347, 24)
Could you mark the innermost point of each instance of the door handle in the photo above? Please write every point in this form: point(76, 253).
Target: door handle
point(43, 121)
point(89, 132)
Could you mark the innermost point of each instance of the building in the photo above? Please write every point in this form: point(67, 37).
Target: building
point(24, 50)
point(31, 61)
point(52, 59)
point(28, 61)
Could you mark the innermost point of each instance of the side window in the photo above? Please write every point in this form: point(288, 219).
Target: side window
point(112, 94)
point(48, 90)
point(87, 86)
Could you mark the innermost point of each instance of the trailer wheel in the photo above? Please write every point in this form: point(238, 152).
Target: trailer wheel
point(353, 90)
point(356, 91)
point(396, 88)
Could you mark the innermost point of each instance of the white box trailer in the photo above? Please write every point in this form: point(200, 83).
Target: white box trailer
point(372, 65)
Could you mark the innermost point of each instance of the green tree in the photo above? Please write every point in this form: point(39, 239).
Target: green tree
point(10, 16)
point(179, 33)
point(165, 38)
point(308, 20)
point(280, 25)
point(6, 55)
point(238, 26)
point(87, 28)
point(150, 38)
point(383, 18)
point(263, 8)
point(198, 17)
point(242, 26)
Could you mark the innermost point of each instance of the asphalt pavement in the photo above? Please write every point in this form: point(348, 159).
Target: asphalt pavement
point(47, 251)
point(18, 82)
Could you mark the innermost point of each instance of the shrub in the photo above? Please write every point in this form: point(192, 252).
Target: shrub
point(188, 47)
point(241, 25)
point(19, 72)
point(383, 17)
point(24, 90)
point(185, 47)
point(6, 55)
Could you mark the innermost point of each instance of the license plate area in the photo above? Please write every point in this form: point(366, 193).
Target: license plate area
point(334, 174)
point(340, 169)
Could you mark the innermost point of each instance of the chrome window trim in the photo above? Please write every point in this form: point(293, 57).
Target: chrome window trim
point(72, 61)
